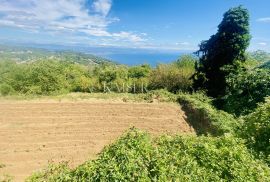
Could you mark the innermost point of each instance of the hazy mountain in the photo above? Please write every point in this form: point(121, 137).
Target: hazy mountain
point(28, 54)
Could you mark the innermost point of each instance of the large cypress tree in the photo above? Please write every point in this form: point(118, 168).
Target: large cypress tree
point(226, 48)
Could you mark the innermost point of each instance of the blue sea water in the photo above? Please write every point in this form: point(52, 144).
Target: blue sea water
point(152, 59)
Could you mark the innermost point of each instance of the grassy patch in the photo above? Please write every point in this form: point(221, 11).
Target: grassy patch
point(152, 96)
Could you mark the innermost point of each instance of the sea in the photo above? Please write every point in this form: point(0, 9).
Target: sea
point(153, 59)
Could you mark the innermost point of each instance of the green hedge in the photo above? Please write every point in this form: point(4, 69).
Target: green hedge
point(136, 157)
point(256, 130)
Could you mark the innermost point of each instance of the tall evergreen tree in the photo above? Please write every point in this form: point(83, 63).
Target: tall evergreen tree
point(226, 48)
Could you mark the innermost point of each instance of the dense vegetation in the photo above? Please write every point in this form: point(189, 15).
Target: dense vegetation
point(256, 129)
point(230, 110)
point(246, 89)
point(47, 77)
point(135, 157)
point(226, 48)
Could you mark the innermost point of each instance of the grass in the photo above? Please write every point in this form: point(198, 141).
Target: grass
point(152, 96)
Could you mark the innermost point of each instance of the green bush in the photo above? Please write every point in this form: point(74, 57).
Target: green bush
point(204, 117)
point(45, 77)
point(136, 157)
point(6, 89)
point(50, 77)
point(246, 89)
point(256, 130)
point(139, 71)
point(173, 77)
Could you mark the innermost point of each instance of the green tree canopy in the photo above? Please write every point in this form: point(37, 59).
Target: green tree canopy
point(226, 48)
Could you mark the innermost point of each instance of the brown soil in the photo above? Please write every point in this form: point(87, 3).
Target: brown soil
point(33, 133)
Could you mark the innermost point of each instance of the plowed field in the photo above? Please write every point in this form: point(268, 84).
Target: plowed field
point(33, 133)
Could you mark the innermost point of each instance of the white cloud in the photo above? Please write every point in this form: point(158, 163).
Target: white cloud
point(265, 20)
point(102, 6)
point(129, 36)
point(62, 16)
point(182, 43)
point(262, 43)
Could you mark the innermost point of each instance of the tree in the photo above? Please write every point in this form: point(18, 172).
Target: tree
point(226, 48)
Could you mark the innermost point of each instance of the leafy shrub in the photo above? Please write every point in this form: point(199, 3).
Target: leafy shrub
point(60, 172)
point(256, 130)
point(139, 71)
point(174, 77)
point(246, 90)
point(6, 89)
point(47, 75)
point(135, 157)
point(204, 117)
point(207, 159)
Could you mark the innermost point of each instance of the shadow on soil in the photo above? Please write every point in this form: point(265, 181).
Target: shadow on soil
point(198, 120)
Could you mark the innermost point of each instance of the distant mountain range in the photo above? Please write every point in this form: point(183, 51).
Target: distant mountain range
point(26, 54)
point(121, 55)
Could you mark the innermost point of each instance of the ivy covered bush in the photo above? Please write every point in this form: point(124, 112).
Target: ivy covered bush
point(137, 157)
point(256, 130)
point(246, 90)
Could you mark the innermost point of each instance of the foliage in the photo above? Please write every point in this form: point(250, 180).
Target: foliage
point(117, 78)
point(41, 77)
point(51, 77)
point(136, 157)
point(246, 89)
point(256, 130)
point(226, 47)
point(6, 89)
point(59, 173)
point(139, 71)
point(174, 77)
point(204, 117)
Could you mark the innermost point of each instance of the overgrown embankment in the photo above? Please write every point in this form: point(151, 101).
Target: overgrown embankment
point(137, 157)
point(204, 117)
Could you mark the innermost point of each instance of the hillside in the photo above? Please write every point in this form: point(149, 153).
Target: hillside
point(27, 54)
point(266, 65)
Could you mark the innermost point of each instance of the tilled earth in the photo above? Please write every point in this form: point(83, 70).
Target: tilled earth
point(33, 133)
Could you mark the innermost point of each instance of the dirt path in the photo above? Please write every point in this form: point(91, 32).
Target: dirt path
point(35, 133)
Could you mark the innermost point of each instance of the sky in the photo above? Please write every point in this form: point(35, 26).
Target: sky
point(145, 24)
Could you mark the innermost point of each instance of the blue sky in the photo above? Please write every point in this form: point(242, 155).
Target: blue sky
point(149, 24)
